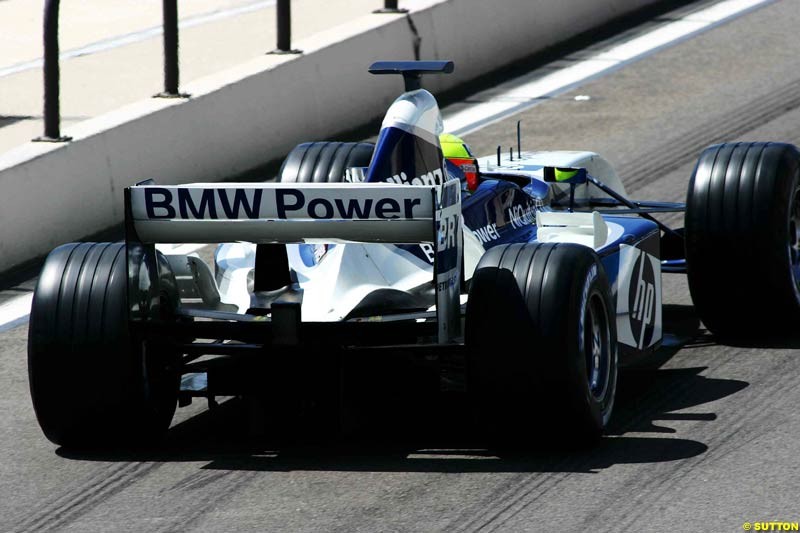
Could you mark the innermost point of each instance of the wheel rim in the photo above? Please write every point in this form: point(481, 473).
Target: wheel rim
point(597, 347)
point(794, 240)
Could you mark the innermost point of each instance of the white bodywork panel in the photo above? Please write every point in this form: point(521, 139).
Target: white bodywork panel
point(346, 274)
point(588, 229)
point(533, 163)
point(234, 263)
point(336, 278)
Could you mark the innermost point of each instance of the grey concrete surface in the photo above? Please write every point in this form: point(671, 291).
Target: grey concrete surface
point(704, 437)
point(221, 34)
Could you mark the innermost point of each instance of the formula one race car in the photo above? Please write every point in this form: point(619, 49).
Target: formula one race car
point(532, 278)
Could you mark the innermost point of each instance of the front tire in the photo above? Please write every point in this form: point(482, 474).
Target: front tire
point(92, 382)
point(323, 162)
point(742, 247)
point(541, 344)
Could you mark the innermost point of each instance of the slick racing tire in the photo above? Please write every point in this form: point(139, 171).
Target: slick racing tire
point(93, 383)
point(315, 162)
point(541, 344)
point(742, 239)
point(323, 162)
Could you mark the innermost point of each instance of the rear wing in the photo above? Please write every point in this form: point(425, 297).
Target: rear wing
point(310, 213)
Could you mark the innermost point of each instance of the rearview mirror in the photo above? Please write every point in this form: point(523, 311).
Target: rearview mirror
point(575, 176)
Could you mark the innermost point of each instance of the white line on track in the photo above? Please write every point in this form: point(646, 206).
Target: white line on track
point(531, 93)
point(139, 36)
point(15, 311)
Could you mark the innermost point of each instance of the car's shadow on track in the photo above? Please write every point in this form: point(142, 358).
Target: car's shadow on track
point(438, 439)
point(649, 394)
point(222, 440)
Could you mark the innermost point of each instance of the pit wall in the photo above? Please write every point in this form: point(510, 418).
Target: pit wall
point(256, 112)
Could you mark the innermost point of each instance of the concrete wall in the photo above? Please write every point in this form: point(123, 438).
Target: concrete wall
point(256, 112)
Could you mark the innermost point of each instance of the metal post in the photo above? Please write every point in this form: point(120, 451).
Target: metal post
point(284, 15)
point(52, 111)
point(284, 20)
point(390, 6)
point(171, 45)
point(171, 72)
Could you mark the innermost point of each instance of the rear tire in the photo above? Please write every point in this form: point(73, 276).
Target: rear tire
point(742, 247)
point(92, 382)
point(541, 344)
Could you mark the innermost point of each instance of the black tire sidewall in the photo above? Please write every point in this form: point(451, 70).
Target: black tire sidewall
point(596, 411)
point(526, 360)
point(91, 380)
point(738, 263)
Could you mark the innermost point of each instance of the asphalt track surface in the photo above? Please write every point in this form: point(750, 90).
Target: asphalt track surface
point(704, 437)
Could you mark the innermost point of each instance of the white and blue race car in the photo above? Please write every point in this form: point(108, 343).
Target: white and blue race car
point(534, 277)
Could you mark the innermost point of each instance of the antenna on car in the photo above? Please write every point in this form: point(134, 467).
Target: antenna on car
point(412, 71)
point(498, 155)
point(519, 139)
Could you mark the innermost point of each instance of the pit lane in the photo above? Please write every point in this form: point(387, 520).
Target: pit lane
point(703, 437)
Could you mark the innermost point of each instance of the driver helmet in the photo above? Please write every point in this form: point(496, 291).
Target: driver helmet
point(456, 151)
